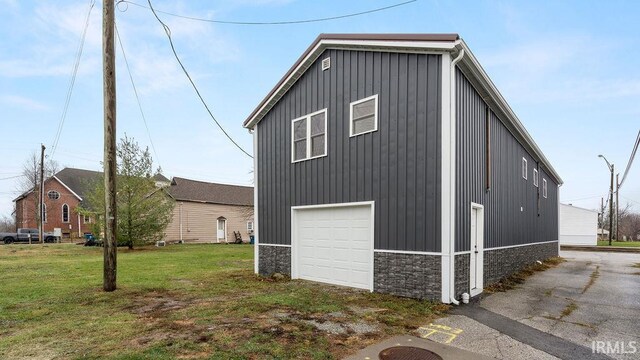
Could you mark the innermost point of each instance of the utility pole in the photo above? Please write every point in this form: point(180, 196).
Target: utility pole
point(617, 209)
point(611, 205)
point(41, 202)
point(601, 218)
point(109, 90)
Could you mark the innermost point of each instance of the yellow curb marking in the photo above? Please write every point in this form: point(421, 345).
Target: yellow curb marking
point(432, 329)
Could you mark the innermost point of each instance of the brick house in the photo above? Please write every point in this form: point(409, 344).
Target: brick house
point(63, 193)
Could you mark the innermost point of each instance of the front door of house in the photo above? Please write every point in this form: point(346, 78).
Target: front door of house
point(477, 249)
point(222, 229)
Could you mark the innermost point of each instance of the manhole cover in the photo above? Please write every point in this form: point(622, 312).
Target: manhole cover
point(407, 353)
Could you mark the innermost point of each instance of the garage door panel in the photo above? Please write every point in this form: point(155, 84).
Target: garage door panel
point(334, 245)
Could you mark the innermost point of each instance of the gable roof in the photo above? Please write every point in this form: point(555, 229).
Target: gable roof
point(182, 189)
point(452, 43)
point(80, 181)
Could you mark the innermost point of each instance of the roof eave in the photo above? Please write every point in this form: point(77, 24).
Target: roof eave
point(440, 42)
point(479, 74)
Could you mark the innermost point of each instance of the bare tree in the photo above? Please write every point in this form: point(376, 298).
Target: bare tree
point(7, 224)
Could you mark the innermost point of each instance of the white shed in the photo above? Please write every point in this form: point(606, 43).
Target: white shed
point(578, 226)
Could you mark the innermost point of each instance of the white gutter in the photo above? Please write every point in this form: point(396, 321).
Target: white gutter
point(452, 171)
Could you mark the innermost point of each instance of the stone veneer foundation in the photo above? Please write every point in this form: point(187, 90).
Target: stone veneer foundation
point(410, 275)
point(500, 263)
point(274, 259)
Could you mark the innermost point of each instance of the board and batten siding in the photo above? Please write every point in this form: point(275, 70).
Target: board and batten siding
point(397, 166)
point(200, 221)
point(515, 211)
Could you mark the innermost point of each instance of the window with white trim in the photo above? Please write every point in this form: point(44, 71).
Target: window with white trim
point(249, 225)
point(524, 168)
point(544, 188)
point(87, 219)
point(363, 116)
point(65, 213)
point(309, 136)
point(535, 177)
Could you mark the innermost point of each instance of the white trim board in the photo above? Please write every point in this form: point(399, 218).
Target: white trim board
point(256, 240)
point(279, 245)
point(514, 246)
point(407, 252)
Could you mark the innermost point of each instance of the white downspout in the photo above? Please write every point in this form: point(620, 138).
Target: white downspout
point(452, 169)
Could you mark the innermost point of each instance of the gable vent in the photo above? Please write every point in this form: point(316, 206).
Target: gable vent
point(326, 63)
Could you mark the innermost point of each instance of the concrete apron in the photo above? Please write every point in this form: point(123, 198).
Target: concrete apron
point(446, 352)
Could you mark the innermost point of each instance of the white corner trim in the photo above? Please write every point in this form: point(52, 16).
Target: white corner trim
point(408, 252)
point(519, 245)
point(68, 188)
point(277, 245)
point(256, 218)
point(446, 160)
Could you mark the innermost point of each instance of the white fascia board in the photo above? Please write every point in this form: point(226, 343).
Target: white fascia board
point(418, 46)
point(256, 218)
point(68, 188)
point(481, 75)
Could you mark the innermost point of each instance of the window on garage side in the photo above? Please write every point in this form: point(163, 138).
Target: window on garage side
point(309, 136)
point(535, 177)
point(364, 116)
point(524, 169)
point(544, 187)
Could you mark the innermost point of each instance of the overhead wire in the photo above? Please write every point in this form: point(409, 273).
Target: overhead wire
point(167, 31)
point(135, 91)
point(288, 22)
point(12, 177)
point(72, 81)
point(631, 158)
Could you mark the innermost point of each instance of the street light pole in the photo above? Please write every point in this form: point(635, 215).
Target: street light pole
point(611, 169)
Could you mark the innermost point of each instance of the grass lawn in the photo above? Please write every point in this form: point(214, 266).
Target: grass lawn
point(183, 301)
point(619, 243)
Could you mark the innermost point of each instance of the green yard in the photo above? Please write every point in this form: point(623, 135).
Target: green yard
point(183, 301)
point(619, 243)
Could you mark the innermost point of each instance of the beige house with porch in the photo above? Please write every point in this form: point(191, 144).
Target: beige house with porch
point(209, 212)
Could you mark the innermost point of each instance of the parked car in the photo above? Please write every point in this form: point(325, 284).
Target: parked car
point(24, 234)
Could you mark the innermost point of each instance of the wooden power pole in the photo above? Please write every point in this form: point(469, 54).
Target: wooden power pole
point(41, 201)
point(109, 81)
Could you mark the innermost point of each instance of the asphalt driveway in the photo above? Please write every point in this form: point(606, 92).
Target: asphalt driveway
point(591, 302)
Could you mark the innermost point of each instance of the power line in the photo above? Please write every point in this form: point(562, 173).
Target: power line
point(633, 155)
point(290, 22)
point(72, 81)
point(135, 91)
point(167, 31)
point(12, 177)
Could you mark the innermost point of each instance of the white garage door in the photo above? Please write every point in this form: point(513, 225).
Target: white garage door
point(334, 245)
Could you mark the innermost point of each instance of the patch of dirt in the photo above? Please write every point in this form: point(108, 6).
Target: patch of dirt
point(519, 277)
point(156, 303)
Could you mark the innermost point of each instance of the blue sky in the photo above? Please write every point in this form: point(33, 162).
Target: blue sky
point(568, 69)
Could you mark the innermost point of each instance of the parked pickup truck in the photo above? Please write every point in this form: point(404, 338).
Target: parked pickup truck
point(23, 235)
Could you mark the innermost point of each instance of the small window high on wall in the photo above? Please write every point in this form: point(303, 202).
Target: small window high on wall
point(363, 116)
point(524, 169)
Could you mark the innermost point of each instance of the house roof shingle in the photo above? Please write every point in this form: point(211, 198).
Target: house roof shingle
point(182, 189)
point(81, 181)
